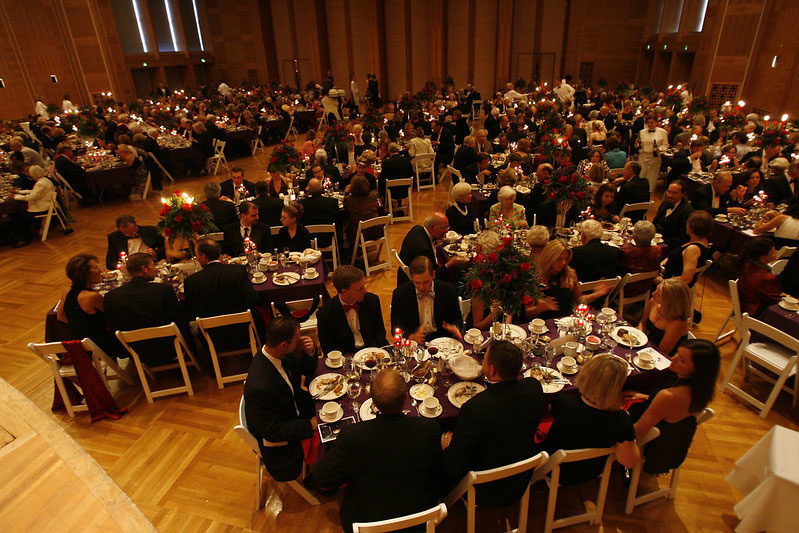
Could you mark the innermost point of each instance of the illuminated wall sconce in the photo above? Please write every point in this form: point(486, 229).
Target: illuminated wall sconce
point(2, 84)
point(774, 61)
point(144, 63)
point(53, 78)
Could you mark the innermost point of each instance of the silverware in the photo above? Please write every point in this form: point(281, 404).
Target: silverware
point(328, 388)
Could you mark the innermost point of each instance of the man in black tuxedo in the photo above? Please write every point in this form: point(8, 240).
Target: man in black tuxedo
point(391, 464)
point(594, 260)
point(223, 211)
point(132, 238)
point(395, 167)
point(231, 186)
point(491, 124)
point(73, 173)
point(716, 199)
point(140, 303)
point(318, 209)
point(495, 428)
point(269, 207)
point(426, 308)
point(420, 241)
point(783, 183)
point(163, 90)
point(247, 227)
point(465, 159)
point(690, 159)
point(633, 189)
point(279, 412)
point(353, 319)
point(672, 215)
point(443, 141)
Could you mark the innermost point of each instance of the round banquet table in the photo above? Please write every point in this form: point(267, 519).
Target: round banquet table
point(728, 238)
point(782, 319)
point(99, 180)
point(10, 206)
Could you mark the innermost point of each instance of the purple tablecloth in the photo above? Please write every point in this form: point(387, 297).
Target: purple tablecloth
point(783, 320)
point(182, 154)
point(99, 180)
point(8, 207)
point(728, 238)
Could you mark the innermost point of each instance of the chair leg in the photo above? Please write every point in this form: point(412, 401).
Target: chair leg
point(46, 225)
point(260, 489)
point(776, 391)
point(734, 363)
point(523, 510)
point(551, 502)
point(675, 477)
point(302, 491)
point(633, 491)
point(471, 510)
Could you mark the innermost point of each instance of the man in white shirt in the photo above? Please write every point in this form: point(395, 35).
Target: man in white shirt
point(564, 91)
point(224, 89)
point(652, 140)
point(40, 108)
point(356, 92)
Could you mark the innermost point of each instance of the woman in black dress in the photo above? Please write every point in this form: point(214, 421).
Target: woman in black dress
point(665, 318)
point(604, 208)
point(293, 235)
point(684, 261)
point(460, 214)
point(82, 306)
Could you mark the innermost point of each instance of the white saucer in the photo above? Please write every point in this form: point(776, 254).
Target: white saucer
point(306, 276)
point(542, 331)
point(563, 370)
point(479, 340)
point(259, 282)
point(637, 362)
point(329, 364)
point(788, 307)
point(423, 412)
point(336, 418)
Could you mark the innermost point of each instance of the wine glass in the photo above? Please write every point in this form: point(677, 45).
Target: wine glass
point(445, 370)
point(549, 355)
point(353, 391)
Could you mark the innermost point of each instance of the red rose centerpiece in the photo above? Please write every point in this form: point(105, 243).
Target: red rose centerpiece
point(284, 158)
point(182, 218)
point(567, 189)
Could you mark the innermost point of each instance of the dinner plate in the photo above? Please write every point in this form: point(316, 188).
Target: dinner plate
point(365, 412)
point(452, 248)
point(321, 382)
point(336, 418)
point(423, 412)
point(458, 398)
point(788, 307)
point(285, 278)
point(447, 346)
point(640, 337)
point(420, 391)
point(637, 362)
point(517, 332)
point(544, 375)
point(360, 356)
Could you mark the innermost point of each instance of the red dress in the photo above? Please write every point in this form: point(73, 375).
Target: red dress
point(758, 288)
point(637, 259)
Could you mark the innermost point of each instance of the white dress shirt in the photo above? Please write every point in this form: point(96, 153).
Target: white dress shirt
point(278, 363)
point(671, 209)
point(355, 325)
point(650, 140)
point(426, 322)
point(246, 231)
point(135, 245)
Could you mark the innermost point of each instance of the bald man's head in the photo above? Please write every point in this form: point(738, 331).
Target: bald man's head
point(314, 186)
point(389, 391)
point(436, 224)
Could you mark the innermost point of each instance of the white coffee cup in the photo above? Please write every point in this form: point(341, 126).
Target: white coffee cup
point(608, 312)
point(790, 301)
point(569, 363)
point(431, 405)
point(258, 276)
point(330, 410)
point(539, 324)
point(472, 333)
point(646, 359)
point(335, 357)
point(570, 349)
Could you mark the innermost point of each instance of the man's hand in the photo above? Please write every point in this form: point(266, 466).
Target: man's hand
point(150, 251)
point(452, 330)
point(314, 423)
point(417, 336)
point(740, 211)
point(446, 439)
point(307, 345)
point(547, 304)
point(225, 198)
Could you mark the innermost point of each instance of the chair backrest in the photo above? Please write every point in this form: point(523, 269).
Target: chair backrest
point(275, 229)
point(218, 236)
point(400, 182)
point(633, 278)
point(156, 332)
point(465, 305)
point(786, 251)
point(736, 301)
point(245, 317)
point(642, 206)
point(750, 324)
point(593, 285)
point(243, 431)
point(456, 173)
point(706, 414)
point(502, 472)
point(701, 270)
point(314, 229)
point(219, 147)
point(372, 222)
point(401, 264)
point(778, 266)
point(423, 162)
point(431, 517)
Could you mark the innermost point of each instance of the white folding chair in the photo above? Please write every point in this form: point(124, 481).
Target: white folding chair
point(467, 486)
point(431, 518)
point(50, 353)
point(145, 371)
point(148, 184)
point(364, 245)
point(735, 315)
point(455, 174)
point(477, 106)
point(309, 326)
point(699, 273)
point(590, 286)
point(786, 251)
point(408, 210)
point(319, 229)
point(633, 278)
point(423, 164)
point(257, 144)
point(778, 266)
point(465, 305)
point(400, 262)
point(52, 209)
point(633, 208)
point(218, 236)
point(209, 323)
point(291, 130)
point(260, 468)
point(778, 356)
point(219, 156)
point(667, 492)
point(552, 467)
point(163, 170)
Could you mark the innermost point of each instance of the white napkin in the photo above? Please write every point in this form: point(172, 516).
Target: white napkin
point(661, 361)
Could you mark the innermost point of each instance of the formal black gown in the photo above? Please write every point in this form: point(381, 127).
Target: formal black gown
point(656, 334)
point(298, 243)
point(458, 222)
point(563, 295)
point(674, 264)
point(83, 325)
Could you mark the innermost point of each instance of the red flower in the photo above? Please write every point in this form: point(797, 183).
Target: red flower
point(274, 159)
point(476, 285)
point(291, 160)
point(564, 179)
point(168, 232)
point(164, 210)
point(178, 219)
point(524, 267)
point(493, 258)
point(527, 299)
point(177, 192)
point(580, 194)
point(507, 241)
point(506, 278)
point(204, 207)
point(551, 195)
point(477, 258)
point(196, 225)
point(188, 207)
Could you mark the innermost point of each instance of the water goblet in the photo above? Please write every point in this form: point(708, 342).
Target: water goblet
point(549, 355)
point(353, 391)
point(445, 370)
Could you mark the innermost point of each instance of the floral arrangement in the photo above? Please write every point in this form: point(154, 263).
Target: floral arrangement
point(426, 94)
point(734, 117)
point(550, 144)
point(164, 118)
point(548, 112)
point(568, 187)
point(672, 98)
point(774, 136)
point(699, 105)
point(336, 140)
point(181, 217)
point(623, 89)
point(88, 126)
point(284, 157)
point(506, 276)
point(372, 119)
point(52, 109)
point(646, 91)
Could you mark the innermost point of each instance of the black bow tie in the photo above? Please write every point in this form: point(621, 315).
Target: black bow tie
point(651, 131)
point(134, 237)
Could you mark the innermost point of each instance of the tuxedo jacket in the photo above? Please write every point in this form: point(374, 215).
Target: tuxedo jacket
point(595, 260)
point(778, 189)
point(702, 200)
point(271, 407)
point(269, 209)
point(219, 289)
point(405, 308)
point(118, 242)
point(672, 227)
point(466, 162)
point(634, 191)
point(224, 212)
point(380, 459)
point(416, 243)
point(396, 167)
point(335, 332)
point(227, 188)
point(260, 234)
point(496, 428)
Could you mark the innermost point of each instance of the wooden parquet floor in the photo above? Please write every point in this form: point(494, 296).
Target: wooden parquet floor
point(181, 463)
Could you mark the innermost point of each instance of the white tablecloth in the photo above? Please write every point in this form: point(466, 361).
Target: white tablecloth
point(769, 476)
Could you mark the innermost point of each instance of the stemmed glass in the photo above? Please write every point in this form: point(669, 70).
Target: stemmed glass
point(353, 391)
point(445, 370)
point(549, 355)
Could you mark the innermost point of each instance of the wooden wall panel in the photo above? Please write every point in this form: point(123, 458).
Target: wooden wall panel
point(423, 34)
point(523, 32)
point(234, 36)
point(396, 48)
point(339, 46)
point(364, 49)
point(485, 46)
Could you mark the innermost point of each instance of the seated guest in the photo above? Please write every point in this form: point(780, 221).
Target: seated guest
point(403, 454)
point(460, 214)
point(397, 166)
point(672, 215)
point(248, 227)
point(604, 207)
point(138, 169)
point(179, 249)
point(465, 160)
point(494, 428)
point(633, 189)
point(280, 412)
point(674, 407)
point(615, 157)
point(141, 303)
point(594, 158)
point(753, 180)
point(510, 176)
point(594, 260)
point(203, 139)
point(353, 318)
point(30, 156)
point(728, 160)
point(276, 185)
point(73, 174)
point(82, 306)
point(319, 209)
point(292, 235)
point(789, 277)
point(361, 203)
point(640, 256)
point(420, 145)
point(422, 240)
point(594, 419)
point(716, 197)
point(506, 211)
point(758, 288)
point(666, 315)
point(785, 225)
point(687, 160)
point(236, 188)
point(783, 181)
point(683, 262)
point(38, 199)
point(596, 177)
point(426, 308)
point(269, 207)
point(223, 211)
point(329, 169)
point(537, 239)
point(363, 168)
point(132, 238)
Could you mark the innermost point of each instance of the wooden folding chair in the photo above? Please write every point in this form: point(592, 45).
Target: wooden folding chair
point(590, 286)
point(52, 209)
point(423, 164)
point(324, 229)
point(210, 323)
point(257, 144)
point(219, 156)
point(405, 183)
point(634, 208)
point(401, 264)
point(634, 278)
point(735, 314)
point(455, 173)
point(430, 518)
point(364, 245)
